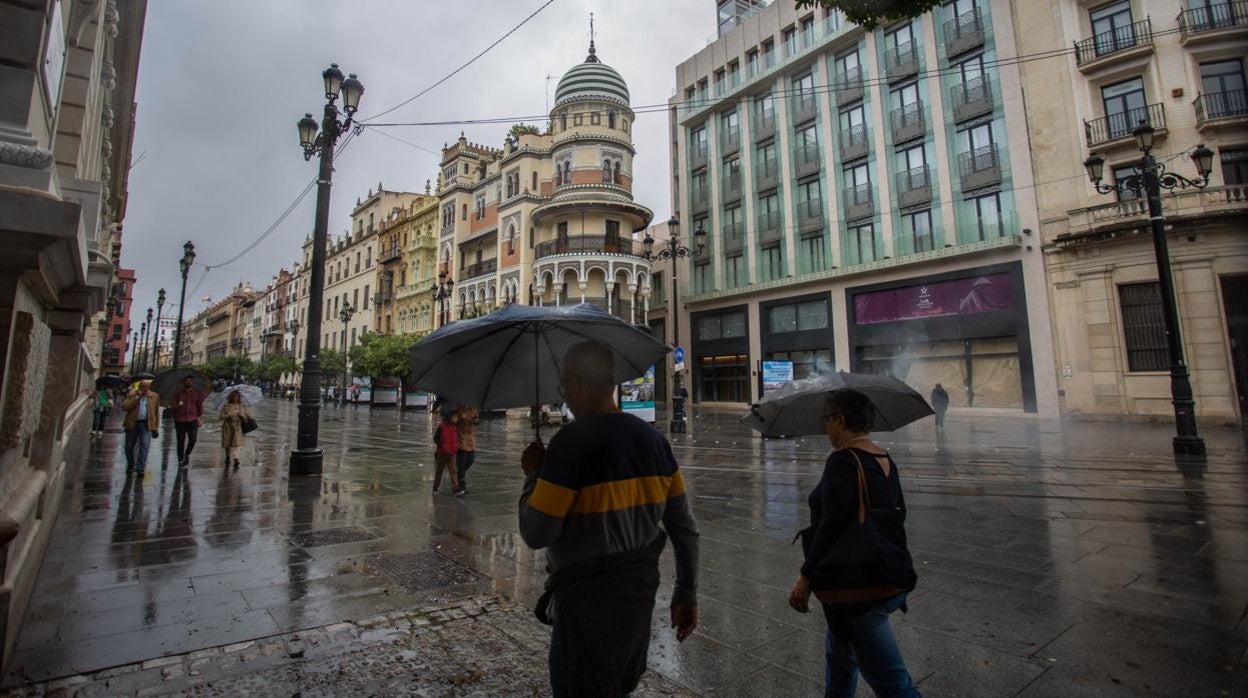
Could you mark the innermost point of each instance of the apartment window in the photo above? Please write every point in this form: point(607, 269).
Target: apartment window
point(576, 119)
point(771, 262)
point(511, 239)
point(563, 121)
point(912, 159)
point(768, 166)
point(1234, 166)
point(1222, 84)
point(613, 233)
point(961, 7)
point(1120, 175)
point(789, 36)
point(987, 210)
point(765, 109)
point(901, 39)
point(700, 191)
point(806, 145)
point(1111, 28)
point(729, 126)
point(365, 297)
point(594, 119)
point(808, 192)
point(769, 53)
point(853, 126)
point(732, 174)
point(353, 333)
point(561, 231)
point(116, 331)
point(971, 69)
point(1144, 327)
point(813, 253)
point(698, 143)
point(751, 63)
point(862, 239)
point(919, 227)
point(848, 70)
point(611, 119)
point(978, 137)
point(464, 214)
point(702, 277)
point(480, 207)
point(858, 176)
point(656, 285)
point(769, 210)
point(734, 271)
point(906, 96)
point(1125, 106)
point(804, 89)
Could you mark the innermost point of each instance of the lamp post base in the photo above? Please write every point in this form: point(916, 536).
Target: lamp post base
point(1189, 448)
point(305, 461)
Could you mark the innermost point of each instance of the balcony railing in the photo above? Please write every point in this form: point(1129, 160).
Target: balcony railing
point(914, 187)
point(766, 174)
point(1221, 105)
point(769, 227)
point(1120, 125)
point(1180, 203)
point(1113, 41)
point(964, 32)
point(730, 187)
point(859, 202)
point(471, 271)
point(908, 123)
point(806, 159)
point(734, 237)
point(854, 143)
point(1223, 15)
point(764, 124)
point(902, 61)
point(980, 167)
point(729, 140)
point(584, 244)
point(697, 156)
point(803, 107)
point(700, 197)
point(848, 86)
point(971, 99)
point(809, 215)
point(389, 254)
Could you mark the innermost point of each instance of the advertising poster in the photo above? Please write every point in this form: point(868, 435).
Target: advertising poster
point(981, 294)
point(384, 391)
point(776, 374)
point(637, 396)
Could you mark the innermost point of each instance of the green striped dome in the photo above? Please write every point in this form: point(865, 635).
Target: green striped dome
point(591, 79)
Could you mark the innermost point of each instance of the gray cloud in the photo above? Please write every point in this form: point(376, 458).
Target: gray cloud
point(222, 84)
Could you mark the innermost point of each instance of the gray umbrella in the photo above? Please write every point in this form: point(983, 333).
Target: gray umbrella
point(511, 357)
point(796, 408)
point(169, 382)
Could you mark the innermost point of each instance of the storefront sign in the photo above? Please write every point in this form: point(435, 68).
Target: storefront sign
point(977, 294)
point(776, 374)
point(637, 396)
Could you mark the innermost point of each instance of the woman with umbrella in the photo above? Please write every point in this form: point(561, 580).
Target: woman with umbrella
point(232, 416)
point(857, 563)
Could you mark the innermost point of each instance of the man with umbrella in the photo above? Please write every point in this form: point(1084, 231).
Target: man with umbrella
point(188, 416)
point(595, 501)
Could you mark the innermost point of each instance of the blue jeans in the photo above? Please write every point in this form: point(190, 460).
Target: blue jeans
point(97, 422)
point(138, 442)
point(874, 651)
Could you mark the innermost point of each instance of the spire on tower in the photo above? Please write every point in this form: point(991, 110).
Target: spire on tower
point(591, 58)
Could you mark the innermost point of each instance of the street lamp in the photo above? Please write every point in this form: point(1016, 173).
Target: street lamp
point(1149, 178)
point(134, 351)
point(344, 315)
point(442, 294)
point(673, 250)
point(139, 349)
point(145, 360)
point(188, 258)
point(160, 308)
point(306, 458)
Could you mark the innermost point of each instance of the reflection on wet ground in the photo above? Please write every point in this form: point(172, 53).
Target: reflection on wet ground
point(1054, 559)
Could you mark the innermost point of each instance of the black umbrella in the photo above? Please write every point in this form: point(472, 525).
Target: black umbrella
point(109, 382)
point(796, 408)
point(512, 357)
point(169, 382)
point(144, 376)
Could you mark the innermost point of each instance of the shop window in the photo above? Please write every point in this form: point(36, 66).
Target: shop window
point(806, 363)
point(1144, 327)
point(798, 317)
point(722, 326)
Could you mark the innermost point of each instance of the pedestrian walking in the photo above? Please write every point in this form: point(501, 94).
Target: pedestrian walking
point(142, 424)
point(940, 404)
point(232, 437)
point(188, 416)
point(595, 501)
point(467, 453)
point(446, 439)
point(856, 560)
point(100, 412)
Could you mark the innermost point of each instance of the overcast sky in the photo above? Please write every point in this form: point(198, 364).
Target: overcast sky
point(222, 84)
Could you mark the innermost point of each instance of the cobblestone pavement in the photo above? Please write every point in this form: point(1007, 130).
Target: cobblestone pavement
point(1054, 559)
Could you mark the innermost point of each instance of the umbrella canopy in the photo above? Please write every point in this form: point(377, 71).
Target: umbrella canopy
point(796, 408)
point(109, 382)
point(144, 376)
point(169, 382)
point(250, 395)
point(511, 357)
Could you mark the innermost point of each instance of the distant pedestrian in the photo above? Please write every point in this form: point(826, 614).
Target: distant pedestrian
point(446, 439)
point(188, 416)
point(232, 437)
point(100, 411)
point(467, 454)
point(846, 531)
point(355, 395)
point(940, 403)
point(142, 424)
point(595, 501)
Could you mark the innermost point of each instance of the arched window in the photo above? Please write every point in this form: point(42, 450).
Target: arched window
point(616, 174)
point(563, 121)
point(534, 187)
point(606, 171)
point(610, 119)
point(511, 239)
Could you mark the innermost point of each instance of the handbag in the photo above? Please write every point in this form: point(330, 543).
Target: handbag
point(863, 564)
point(248, 424)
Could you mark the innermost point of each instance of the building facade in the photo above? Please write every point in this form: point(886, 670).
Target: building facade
point(548, 218)
point(68, 70)
point(394, 293)
point(1179, 67)
point(870, 206)
point(413, 304)
point(117, 338)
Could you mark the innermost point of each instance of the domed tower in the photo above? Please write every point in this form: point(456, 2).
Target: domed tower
point(585, 250)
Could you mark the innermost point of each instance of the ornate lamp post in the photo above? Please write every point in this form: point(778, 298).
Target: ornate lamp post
point(345, 315)
point(442, 294)
point(134, 351)
point(145, 359)
point(673, 250)
point(160, 308)
point(1149, 178)
point(188, 258)
point(306, 458)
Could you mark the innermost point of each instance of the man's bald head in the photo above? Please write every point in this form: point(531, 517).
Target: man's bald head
point(592, 364)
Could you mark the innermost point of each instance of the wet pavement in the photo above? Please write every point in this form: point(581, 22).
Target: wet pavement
point(1054, 559)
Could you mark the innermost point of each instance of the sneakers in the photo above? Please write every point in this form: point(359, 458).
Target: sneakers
point(460, 492)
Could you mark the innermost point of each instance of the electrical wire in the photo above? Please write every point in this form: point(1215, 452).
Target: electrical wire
point(472, 60)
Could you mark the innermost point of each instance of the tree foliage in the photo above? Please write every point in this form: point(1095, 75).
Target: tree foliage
point(520, 129)
point(227, 367)
point(271, 368)
point(383, 355)
point(871, 13)
point(332, 365)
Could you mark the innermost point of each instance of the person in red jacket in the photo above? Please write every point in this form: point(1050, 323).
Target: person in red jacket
point(447, 441)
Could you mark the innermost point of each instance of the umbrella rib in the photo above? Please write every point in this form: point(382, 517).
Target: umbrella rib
point(502, 355)
point(457, 346)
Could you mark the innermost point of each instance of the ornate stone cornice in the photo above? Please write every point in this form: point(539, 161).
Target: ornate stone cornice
point(27, 156)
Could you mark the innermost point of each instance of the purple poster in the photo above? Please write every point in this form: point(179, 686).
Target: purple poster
point(977, 294)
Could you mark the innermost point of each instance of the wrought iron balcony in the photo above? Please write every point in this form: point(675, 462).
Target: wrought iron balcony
point(914, 187)
point(901, 62)
point(764, 125)
point(1120, 125)
point(766, 174)
point(908, 123)
point(729, 141)
point(734, 237)
point(769, 227)
point(804, 107)
point(854, 143)
point(730, 187)
point(848, 86)
point(806, 159)
point(809, 215)
point(1229, 104)
point(964, 32)
point(1213, 17)
point(980, 167)
point(1113, 41)
point(584, 244)
point(390, 254)
point(470, 271)
point(700, 198)
point(971, 99)
point(859, 202)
